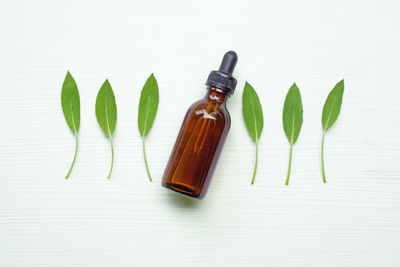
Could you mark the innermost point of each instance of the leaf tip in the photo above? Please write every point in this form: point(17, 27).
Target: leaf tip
point(107, 82)
point(294, 87)
point(247, 86)
point(340, 86)
point(68, 75)
point(152, 78)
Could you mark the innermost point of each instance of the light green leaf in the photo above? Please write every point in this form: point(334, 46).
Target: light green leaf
point(332, 106)
point(70, 103)
point(330, 114)
point(292, 118)
point(253, 118)
point(106, 113)
point(148, 105)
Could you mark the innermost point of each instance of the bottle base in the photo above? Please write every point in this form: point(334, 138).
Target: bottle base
point(182, 189)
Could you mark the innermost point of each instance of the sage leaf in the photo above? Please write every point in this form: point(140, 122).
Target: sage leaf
point(148, 105)
point(106, 113)
point(253, 118)
point(70, 103)
point(330, 113)
point(292, 118)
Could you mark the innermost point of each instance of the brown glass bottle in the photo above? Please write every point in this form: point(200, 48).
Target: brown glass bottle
point(202, 135)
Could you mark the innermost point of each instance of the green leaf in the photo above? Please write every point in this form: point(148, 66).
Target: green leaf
point(70, 103)
point(106, 113)
point(253, 118)
point(148, 105)
point(330, 114)
point(292, 118)
point(332, 106)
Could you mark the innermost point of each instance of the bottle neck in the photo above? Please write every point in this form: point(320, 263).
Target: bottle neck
point(216, 94)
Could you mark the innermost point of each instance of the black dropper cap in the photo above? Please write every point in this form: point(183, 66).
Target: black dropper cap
point(223, 77)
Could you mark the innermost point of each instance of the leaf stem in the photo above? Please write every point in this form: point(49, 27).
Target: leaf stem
point(112, 157)
point(76, 152)
point(255, 164)
point(145, 159)
point(290, 164)
point(322, 157)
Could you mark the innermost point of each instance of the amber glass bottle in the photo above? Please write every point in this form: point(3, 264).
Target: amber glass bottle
point(202, 135)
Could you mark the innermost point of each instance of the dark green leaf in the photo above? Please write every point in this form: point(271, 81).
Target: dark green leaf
point(70, 103)
point(253, 118)
point(106, 113)
point(148, 105)
point(252, 112)
point(332, 106)
point(106, 109)
point(292, 118)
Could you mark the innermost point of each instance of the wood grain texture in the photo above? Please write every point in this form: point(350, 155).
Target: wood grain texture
point(353, 220)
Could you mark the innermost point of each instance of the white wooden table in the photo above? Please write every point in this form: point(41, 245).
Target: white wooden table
point(353, 220)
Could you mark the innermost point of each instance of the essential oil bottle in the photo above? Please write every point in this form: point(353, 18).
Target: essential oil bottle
point(202, 135)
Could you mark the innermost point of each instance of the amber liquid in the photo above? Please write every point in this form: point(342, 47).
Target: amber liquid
point(198, 146)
